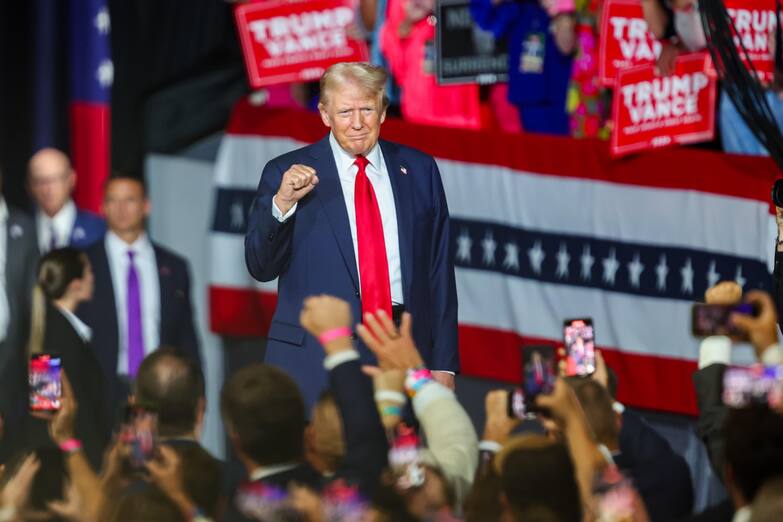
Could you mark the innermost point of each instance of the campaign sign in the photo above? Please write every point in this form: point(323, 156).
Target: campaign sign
point(651, 111)
point(287, 41)
point(465, 53)
point(625, 40)
point(755, 23)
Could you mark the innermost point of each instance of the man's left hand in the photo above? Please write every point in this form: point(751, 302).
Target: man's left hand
point(445, 378)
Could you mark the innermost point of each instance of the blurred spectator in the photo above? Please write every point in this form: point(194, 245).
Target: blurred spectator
point(538, 71)
point(58, 222)
point(324, 438)
point(18, 260)
point(173, 387)
point(408, 43)
point(142, 291)
point(661, 476)
point(768, 504)
point(373, 16)
point(64, 281)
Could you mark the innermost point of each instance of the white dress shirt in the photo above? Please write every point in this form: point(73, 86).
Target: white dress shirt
point(149, 285)
point(84, 331)
point(381, 183)
point(5, 311)
point(61, 224)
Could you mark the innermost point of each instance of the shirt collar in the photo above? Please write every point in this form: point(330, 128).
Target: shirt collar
point(345, 159)
point(66, 215)
point(117, 246)
point(743, 514)
point(268, 471)
point(84, 331)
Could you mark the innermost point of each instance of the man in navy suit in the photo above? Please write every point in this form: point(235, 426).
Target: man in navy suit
point(142, 291)
point(360, 219)
point(58, 222)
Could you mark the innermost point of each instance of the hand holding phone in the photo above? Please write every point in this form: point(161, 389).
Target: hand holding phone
point(579, 339)
point(140, 432)
point(715, 319)
point(45, 382)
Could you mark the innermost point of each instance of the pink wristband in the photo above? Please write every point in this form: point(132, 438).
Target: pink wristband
point(71, 445)
point(334, 333)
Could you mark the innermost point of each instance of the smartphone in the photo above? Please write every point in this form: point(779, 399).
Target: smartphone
point(45, 382)
point(757, 384)
point(140, 432)
point(711, 319)
point(579, 339)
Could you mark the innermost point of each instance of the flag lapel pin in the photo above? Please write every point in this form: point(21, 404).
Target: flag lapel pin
point(403, 169)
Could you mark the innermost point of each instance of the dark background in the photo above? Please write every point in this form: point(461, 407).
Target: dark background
point(177, 72)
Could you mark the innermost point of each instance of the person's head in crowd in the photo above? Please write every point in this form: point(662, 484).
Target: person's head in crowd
point(353, 104)
point(753, 451)
point(596, 402)
point(51, 179)
point(125, 206)
point(433, 497)
point(173, 386)
point(537, 476)
point(264, 417)
point(768, 504)
point(145, 505)
point(64, 279)
point(325, 445)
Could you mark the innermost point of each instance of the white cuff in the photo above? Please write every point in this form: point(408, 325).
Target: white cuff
point(333, 361)
point(772, 356)
point(714, 350)
point(618, 407)
point(445, 371)
point(278, 214)
point(490, 445)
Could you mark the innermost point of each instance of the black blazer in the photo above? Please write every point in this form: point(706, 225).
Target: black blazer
point(176, 321)
point(89, 388)
point(661, 476)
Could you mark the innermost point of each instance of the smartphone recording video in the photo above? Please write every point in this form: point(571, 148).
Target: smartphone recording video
point(579, 339)
point(516, 407)
point(711, 319)
point(538, 370)
point(140, 432)
point(756, 384)
point(45, 382)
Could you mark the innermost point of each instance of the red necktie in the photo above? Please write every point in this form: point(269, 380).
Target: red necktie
point(373, 263)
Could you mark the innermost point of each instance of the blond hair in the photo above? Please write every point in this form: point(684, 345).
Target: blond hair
point(370, 78)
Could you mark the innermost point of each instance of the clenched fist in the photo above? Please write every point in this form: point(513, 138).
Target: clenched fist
point(297, 182)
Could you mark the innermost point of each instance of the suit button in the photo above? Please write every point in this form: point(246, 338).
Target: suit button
point(271, 236)
point(357, 293)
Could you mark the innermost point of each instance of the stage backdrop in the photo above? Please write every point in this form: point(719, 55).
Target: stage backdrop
point(543, 228)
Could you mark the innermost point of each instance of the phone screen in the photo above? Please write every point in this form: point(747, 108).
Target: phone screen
point(579, 338)
point(516, 404)
point(756, 384)
point(539, 370)
point(140, 432)
point(709, 319)
point(44, 378)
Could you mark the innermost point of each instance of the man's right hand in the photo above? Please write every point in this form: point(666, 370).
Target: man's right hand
point(297, 182)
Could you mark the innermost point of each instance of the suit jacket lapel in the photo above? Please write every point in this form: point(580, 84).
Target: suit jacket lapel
point(330, 193)
point(164, 283)
point(401, 186)
point(105, 296)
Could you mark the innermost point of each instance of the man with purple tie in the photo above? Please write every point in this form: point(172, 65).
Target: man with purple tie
point(142, 291)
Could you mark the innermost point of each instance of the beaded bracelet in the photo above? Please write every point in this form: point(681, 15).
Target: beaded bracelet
point(415, 379)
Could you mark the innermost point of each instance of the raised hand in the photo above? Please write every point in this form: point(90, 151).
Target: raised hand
point(394, 349)
point(297, 182)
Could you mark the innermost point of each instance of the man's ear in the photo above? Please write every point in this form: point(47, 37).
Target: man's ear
point(324, 115)
point(383, 116)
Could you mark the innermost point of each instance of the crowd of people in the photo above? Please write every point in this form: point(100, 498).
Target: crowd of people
point(553, 70)
point(386, 442)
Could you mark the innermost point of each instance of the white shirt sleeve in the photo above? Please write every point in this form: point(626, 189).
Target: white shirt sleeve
point(715, 350)
point(278, 214)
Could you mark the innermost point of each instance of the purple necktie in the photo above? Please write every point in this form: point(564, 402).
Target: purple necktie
point(135, 330)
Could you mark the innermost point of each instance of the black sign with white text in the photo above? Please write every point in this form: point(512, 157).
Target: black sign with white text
point(466, 53)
